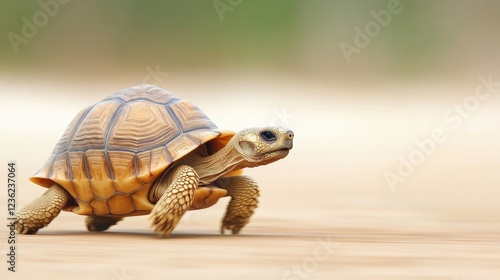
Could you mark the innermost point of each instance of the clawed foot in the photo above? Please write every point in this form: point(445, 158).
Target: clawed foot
point(233, 224)
point(164, 224)
point(23, 228)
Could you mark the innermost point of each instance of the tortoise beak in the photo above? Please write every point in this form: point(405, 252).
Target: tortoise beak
point(286, 143)
point(289, 139)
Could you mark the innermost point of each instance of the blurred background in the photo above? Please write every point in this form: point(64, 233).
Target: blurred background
point(424, 41)
point(361, 83)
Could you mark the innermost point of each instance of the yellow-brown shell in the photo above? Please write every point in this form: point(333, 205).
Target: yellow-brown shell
point(113, 151)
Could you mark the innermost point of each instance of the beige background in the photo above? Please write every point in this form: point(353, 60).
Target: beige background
point(442, 222)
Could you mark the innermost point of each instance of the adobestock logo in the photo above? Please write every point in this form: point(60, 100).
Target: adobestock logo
point(363, 37)
point(49, 9)
point(322, 252)
point(155, 76)
point(223, 6)
point(281, 117)
point(453, 118)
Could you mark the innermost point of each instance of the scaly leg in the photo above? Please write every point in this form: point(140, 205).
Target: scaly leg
point(176, 200)
point(244, 193)
point(41, 211)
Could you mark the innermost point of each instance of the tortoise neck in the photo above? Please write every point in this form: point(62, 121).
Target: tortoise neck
point(209, 168)
point(212, 167)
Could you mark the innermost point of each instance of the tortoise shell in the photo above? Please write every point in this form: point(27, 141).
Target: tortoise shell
point(113, 151)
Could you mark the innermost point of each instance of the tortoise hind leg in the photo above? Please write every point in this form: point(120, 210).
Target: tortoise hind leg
point(96, 223)
point(41, 211)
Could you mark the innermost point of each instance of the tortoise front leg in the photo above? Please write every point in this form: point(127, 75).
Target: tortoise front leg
point(244, 193)
point(96, 223)
point(41, 211)
point(176, 199)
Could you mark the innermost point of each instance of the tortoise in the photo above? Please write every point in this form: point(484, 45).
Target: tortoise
point(144, 151)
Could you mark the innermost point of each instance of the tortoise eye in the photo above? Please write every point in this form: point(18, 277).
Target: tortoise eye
point(268, 136)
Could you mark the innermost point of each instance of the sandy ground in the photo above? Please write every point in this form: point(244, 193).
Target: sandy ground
point(326, 211)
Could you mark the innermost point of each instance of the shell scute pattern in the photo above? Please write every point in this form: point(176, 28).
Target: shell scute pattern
point(112, 152)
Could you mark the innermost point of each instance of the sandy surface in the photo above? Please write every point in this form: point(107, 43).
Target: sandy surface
point(326, 211)
point(414, 248)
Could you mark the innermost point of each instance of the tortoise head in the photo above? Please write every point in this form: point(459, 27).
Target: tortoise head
point(250, 147)
point(260, 146)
